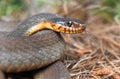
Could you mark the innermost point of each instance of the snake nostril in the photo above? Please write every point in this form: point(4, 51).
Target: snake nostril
point(82, 25)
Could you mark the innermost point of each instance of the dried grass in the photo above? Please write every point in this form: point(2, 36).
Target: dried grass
point(94, 56)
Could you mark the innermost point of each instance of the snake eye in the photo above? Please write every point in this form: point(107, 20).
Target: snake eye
point(69, 23)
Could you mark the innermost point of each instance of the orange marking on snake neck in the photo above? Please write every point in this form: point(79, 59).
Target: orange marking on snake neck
point(38, 27)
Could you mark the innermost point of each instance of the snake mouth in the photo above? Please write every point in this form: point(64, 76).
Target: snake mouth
point(69, 28)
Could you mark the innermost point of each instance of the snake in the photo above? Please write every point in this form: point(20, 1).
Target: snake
point(36, 42)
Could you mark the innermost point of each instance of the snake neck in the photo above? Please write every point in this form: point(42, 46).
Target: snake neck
point(30, 22)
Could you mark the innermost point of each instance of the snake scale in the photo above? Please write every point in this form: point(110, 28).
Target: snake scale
point(32, 45)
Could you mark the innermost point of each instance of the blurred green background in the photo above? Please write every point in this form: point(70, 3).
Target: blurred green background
point(106, 11)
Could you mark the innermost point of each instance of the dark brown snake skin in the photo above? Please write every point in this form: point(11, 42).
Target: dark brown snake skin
point(20, 53)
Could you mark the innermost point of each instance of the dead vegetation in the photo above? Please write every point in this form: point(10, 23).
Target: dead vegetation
point(94, 54)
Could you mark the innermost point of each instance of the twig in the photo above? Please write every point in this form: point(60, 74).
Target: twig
point(81, 60)
point(106, 71)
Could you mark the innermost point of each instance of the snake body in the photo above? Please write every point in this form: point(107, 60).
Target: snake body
point(19, 52)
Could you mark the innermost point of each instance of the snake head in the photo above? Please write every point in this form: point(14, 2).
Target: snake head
point(70, 27)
